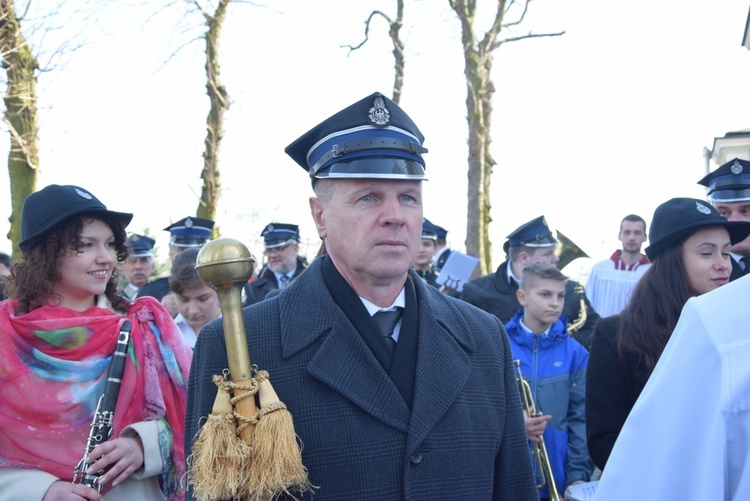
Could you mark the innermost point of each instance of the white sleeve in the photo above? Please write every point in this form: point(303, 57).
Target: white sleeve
point(148, 431)
point(18, 484)
point(674, 443)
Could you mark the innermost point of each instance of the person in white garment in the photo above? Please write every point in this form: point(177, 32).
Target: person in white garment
point(612, 281)
point(688, 436)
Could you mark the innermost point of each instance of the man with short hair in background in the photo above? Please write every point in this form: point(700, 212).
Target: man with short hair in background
point(283, 263)
point(187, 233)
point(139, 265)
point(612, 281)
point(729, 191)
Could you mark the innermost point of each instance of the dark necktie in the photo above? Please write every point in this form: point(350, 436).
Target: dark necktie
point(746, 265)
point(386, 321)
point(283, 281)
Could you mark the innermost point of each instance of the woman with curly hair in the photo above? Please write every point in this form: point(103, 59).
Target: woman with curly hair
point(58, 332)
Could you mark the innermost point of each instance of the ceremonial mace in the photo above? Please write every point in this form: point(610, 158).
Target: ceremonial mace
point(259, 459)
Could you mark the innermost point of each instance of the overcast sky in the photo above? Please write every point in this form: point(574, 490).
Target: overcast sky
point(607, 120)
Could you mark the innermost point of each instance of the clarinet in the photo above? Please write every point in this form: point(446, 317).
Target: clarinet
point(101, 426)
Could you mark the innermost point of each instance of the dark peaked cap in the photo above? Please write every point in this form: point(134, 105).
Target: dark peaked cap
point(190, 232)
point(140, 245)
point(278, 234)
point(534, 233)
point(374, 129)
point(729, 183)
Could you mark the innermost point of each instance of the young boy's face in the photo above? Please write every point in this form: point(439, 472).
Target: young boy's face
point(542, 303)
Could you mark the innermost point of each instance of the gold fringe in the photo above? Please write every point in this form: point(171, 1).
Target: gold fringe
point(277, 463)
point(219, 460)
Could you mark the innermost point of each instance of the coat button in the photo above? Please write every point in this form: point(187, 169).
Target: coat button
point(416, 458)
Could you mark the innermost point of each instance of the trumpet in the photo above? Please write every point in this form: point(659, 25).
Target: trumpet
point(539, 450)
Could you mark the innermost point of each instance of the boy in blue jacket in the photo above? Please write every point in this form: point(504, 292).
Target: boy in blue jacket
point(554, 365)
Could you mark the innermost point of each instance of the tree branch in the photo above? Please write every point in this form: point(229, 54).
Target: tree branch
point(524, 37)
point(374, 13)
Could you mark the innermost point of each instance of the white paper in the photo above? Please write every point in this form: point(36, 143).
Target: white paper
point(457, 270)
point(583, 492)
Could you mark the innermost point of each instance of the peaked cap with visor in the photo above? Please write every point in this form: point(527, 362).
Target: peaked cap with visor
point(371, 139)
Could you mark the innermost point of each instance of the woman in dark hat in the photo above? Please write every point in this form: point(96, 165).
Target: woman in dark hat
point(58, 334)
point(689, 249)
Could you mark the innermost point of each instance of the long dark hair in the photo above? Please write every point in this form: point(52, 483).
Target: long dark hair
point(651, 315)
point(33, 279)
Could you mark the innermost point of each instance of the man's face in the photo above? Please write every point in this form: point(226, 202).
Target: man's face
point(736, 211)
point(282, 259)
point(544, 254)
point(633, 236)
point(138, 269)
point(372, 228)
point(425, 254)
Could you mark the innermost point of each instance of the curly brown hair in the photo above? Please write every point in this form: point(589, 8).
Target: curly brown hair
point(34, 277)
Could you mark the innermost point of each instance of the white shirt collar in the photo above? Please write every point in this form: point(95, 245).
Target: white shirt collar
point(373, 308)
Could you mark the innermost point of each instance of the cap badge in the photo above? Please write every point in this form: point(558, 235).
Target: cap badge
point(83, 194)
point(736, 168)
point(702, 208)
point(270, 228)
point(188, 223)
point(378, 114)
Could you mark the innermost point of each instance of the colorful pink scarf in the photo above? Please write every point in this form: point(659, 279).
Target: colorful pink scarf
point(53, 367)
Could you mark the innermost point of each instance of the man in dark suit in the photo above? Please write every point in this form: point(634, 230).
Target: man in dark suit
point(496, 293)
point(426, 409)
point(283, 264)
point(729, 191)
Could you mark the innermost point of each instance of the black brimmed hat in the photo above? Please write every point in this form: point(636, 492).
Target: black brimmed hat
point(676, 219)
point(190, 232)
point(279, 234)
point(140, 245)
point(371, 139)
point(535, 233)
point(50, 206)
point(729, 183)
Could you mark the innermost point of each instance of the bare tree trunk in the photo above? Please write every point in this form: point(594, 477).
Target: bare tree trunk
point(478, 60)
point(479, 91)
point(20, 115)
point(215, 120)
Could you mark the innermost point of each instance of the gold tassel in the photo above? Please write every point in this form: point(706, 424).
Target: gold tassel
point(219, 460)
point(277, 462)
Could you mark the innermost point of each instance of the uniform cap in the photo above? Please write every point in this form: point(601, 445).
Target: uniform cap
point(729, 183)
point(371, 139)
point(534, 233)
point(140, 245)
point(190, 232)
point(53, 204)
point(676, 219)
point(428, 230)
point(279, 234)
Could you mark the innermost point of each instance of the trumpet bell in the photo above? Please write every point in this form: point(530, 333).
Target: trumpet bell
point(567, 251)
